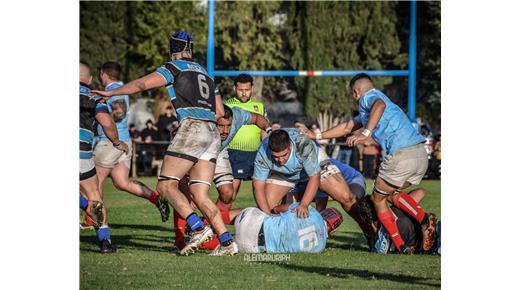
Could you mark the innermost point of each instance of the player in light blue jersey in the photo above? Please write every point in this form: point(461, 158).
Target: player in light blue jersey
point(405, 162)
point(228, 126)
point(285, 158)
point(196, 145)
point(258, 232)
point(109, 160)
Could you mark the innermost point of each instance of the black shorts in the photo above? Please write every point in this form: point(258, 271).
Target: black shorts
point(242, 163)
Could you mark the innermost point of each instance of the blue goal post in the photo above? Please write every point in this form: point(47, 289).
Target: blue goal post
point(331, 73)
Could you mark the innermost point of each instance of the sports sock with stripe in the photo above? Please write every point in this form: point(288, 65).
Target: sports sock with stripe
point(179, 225)
point(154, 197)
point(225, 239)
point(83, 202)
point(388, 220)
point(406, 203)
point(103, 233)
point(194, 222)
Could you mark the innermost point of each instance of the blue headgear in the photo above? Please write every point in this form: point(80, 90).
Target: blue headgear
point(181, 41)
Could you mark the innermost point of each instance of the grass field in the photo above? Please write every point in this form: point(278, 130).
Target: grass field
point(143, 260)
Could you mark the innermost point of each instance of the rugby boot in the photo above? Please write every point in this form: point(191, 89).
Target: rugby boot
point(428, 231)
point(95, 213)
point(106, 246)
point(406, 250)
point(228, 250)
point(163, 207)
point(197, 238)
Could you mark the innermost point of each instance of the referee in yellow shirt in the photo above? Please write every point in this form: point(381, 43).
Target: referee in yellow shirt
point(242, 149)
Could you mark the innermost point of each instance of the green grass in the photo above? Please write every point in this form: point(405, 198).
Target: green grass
point(143, 260)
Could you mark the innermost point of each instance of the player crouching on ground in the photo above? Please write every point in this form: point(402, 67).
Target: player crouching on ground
point(258, 232)
point(409, 228)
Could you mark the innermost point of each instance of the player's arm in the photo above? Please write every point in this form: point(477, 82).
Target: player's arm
point(261, 122)
point(219, 106)
point(260, 197)
point(150, 81)
point(109, 127)
point(260, 175)
point(376, 112)
point(302, 210)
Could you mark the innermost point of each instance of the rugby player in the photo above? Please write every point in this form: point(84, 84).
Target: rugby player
point(91, 110)
point(409, 228)
point(228, 125)
point(258, 232)
point(194, 149)
point(405, 161)
point(285, 158)
point(113, 162)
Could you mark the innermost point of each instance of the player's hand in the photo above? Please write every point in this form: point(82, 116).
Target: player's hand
point(123, 147)
point(103, 94)
point(306, 131)
point(302, 211)
point(356, 139)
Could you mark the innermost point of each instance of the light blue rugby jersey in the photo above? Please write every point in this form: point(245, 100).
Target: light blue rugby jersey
point(286, 233)
point(240, 118)
point(394, 130)
point(122, 126)
point(302, 163)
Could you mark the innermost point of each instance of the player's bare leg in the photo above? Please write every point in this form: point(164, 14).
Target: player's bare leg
point(121, 181)
point(172, 171)
point(275, 194)
point(97, 211)
point(236, 185)
point(89, 187)
point(200, 179)
point(336, 187)
point(102, 174)
point(226, 196)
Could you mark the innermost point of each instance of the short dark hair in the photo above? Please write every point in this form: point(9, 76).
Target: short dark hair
point(149, 121)
point(358, 77)
point(243, 78)
point(84, 63)
point(279, 140)
point(228, 113)
point(275, 122)
point(112, 69)
point(169, 108)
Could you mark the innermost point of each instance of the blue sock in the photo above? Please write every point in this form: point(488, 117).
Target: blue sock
point(83, 202)
point(103, 233)
point(225, 239)
point(194, 222)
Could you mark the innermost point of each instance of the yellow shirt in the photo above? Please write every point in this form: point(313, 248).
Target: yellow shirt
point(249, 137)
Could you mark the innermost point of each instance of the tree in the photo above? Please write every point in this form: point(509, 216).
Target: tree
point(340, 35)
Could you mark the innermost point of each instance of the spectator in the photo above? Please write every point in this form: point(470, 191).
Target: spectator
point(147, 150)
point(147, 155)
point(165, 124)
point(276, 125)
point(134, 133)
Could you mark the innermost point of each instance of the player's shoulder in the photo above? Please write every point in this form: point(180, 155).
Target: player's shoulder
point(84, 89)
point(185, 64)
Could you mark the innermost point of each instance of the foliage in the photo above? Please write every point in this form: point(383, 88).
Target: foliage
point(341, 35)
point(277, 35)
